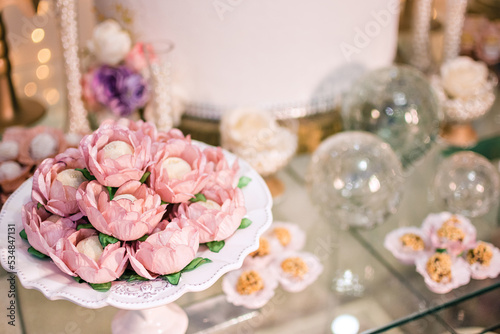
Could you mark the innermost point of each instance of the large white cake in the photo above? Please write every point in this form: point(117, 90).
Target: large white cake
point(264, 53)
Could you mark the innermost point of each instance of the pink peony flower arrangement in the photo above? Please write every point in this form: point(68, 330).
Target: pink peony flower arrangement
point(133, 203)
point(445, 251)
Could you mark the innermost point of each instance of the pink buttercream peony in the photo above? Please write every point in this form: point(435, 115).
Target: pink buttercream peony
point(43, 229)
point(134, 211)
point(186, 163)
point(144, 128)
point(165, 252)
point(115, 154)
point(106, 267)
point(454, 233)
point(220, 216)
point(165, 136)
point(56, 181)
point(222, 174)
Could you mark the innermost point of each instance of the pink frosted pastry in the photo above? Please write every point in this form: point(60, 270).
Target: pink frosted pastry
point(443, 272)
point(454, 233)
point(297, 270)
point(484, 260)
point(249, 286)
point(407, 244)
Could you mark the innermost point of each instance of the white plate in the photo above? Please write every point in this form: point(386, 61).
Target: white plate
point(44, 276)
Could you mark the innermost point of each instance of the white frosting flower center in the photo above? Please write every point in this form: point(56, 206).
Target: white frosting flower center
point(125, 196)
point(53, 218)
point(209, 204)
point(10, 170)
point(116, 149)
point(8, 150)
point(90, 247)
point(71, 177)
point(43, 146)
point(176, 168)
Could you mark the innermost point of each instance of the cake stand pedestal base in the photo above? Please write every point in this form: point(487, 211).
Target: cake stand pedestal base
point(169, 319)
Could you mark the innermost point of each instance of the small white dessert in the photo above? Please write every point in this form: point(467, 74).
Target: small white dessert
point(43, 146)
point(10, 170)
point(209, 204)
point(125, 196)
point(9, 150)
point(90, 247)
point(71, 178)
point(176, 168)
point(116, 149)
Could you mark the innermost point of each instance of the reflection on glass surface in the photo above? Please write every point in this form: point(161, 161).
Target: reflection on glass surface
point(345, 324)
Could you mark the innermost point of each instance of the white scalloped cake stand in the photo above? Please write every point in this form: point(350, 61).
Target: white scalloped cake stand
point(146, 300)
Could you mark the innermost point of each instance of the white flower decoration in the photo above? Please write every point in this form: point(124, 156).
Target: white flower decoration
point(110, 43)
point(462, 77)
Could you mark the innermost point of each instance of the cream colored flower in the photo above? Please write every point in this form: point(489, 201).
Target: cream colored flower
point(462, 77)
point(110, 43)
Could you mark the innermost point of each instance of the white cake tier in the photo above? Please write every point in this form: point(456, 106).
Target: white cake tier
point(264, 53)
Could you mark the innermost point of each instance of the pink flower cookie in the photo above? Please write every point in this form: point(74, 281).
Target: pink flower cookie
point(407, 244)
point(219, 216)
point(251, 287)
point(484, 260)
point(443, 272)
point(56, 182)
point(43, 229)
point(222, 173)
point(454, 233)
point(115, 154)
point(178, 173)
point(165, 252)
point(290, 237)
point(81, 254)
point(297, 270)
point(134, 211)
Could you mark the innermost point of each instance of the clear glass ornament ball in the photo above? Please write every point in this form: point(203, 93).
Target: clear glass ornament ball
point(467, 183)
point(398, 104)
point(355, 178)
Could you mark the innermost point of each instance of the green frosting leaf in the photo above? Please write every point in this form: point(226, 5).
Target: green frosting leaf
point(86, 173)
point(172, 278)
point(102, 287)
point(198, 198)
point(145, 177)
point(23, 235)
point(131, 276)
point(245, 222)
point(112, 192)
point(39, 205)
point(215, 246)
point(143, 238)
point(36, 253)
point(79, 227)
point(105, 239)
point(195, 264)
point(243, 181)
point(78, 279)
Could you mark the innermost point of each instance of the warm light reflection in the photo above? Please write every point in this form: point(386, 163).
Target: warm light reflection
point(51, 95)
point(42, 72)
point(37, 35)
point(345, 324)
point(43, 7)
point(44, 55)
point(30, 89)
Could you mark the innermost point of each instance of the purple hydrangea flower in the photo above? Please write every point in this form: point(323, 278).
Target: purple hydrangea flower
point(120, 89)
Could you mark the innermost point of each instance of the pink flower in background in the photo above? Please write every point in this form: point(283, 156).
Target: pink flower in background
point(115, 154)
point(137, 58)
point(220, 216)
point(144, 128)
point(165, 136)
point(223, 174)
point(134, 211)
point(178, 173)
point(165, 252)
point(56, 181)
point(88, 93)
point(82, 255)
point(43, 229)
